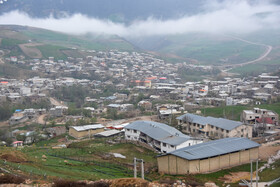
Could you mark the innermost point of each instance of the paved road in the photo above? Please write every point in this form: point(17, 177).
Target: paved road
point(1, 54)
point(265, 54)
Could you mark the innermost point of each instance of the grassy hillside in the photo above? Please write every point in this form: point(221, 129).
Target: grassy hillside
point(40, 43)
point(204, 48)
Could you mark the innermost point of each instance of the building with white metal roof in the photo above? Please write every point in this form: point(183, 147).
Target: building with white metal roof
point(108, 133)
point(208, 157)
point(162, 137)
point(85, 131)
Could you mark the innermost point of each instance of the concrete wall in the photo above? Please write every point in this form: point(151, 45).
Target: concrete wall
point(171, 164)
point(131, 134)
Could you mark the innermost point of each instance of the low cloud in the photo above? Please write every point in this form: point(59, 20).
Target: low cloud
point(234, 16)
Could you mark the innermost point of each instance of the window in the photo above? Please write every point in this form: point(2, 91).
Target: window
point(135, 131)
point(217, 128)
point(128, 136)
point(127, 129)
point(172, 146)
point(227, 131)
point(164, 144)
point(212, 127)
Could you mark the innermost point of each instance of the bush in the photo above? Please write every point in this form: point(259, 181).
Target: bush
point(66, 183)
point(11, 179)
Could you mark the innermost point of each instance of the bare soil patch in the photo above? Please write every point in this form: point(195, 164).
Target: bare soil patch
point(235, 177)
point(269, 149)
point(11, 179)
point(30, 50)
point(41, 118)
point(127, 182)
point(13, 156)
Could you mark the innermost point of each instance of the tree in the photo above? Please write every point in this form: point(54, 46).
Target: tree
point(20, 137)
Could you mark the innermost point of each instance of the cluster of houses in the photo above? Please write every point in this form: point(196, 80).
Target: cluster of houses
point(179, 153)
point(203, 143)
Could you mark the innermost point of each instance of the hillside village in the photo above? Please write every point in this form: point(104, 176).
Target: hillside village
point(139, 99)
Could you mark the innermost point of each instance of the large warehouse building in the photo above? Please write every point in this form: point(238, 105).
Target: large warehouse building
point(208, 157)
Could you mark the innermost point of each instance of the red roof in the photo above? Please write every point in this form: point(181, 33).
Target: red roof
point(163, 78)
point(4, 82)
point(16, 142)
point(151, 78)
point(265, 120)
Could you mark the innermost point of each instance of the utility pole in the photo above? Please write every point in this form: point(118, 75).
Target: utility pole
point(135, 160)
point(142, 168)
point(135, 167)
point(257, 163)
point(251, 173)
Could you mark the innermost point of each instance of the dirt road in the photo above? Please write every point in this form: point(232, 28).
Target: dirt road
point(269, 149)
point(56, 102)
point(41, 118)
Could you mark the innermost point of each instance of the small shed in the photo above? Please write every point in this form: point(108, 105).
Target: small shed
point(85, 131)
point(109, 133)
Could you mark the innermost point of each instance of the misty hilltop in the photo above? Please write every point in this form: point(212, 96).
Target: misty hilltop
point(115, 10)
point(219, 32)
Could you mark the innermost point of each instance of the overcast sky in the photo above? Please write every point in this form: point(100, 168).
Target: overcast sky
point(233, 16)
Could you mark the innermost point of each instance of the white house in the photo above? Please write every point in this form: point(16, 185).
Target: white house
point(162, 137)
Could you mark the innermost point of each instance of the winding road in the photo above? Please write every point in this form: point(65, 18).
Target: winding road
point(265, 54)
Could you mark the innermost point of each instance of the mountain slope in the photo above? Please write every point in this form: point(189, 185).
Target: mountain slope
point(41, 43)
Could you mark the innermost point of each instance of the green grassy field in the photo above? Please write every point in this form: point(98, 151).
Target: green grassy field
point(234, 112)
point(54, 43)
point(258, 68)
point(52, 51)
point(85, 42)
point(91, 160)
point(210, 49)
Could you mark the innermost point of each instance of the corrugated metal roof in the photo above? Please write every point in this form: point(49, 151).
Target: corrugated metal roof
point(108, 133)
point(159, 131)
point(87, 127)
point(214, 148)
point(217, 122)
